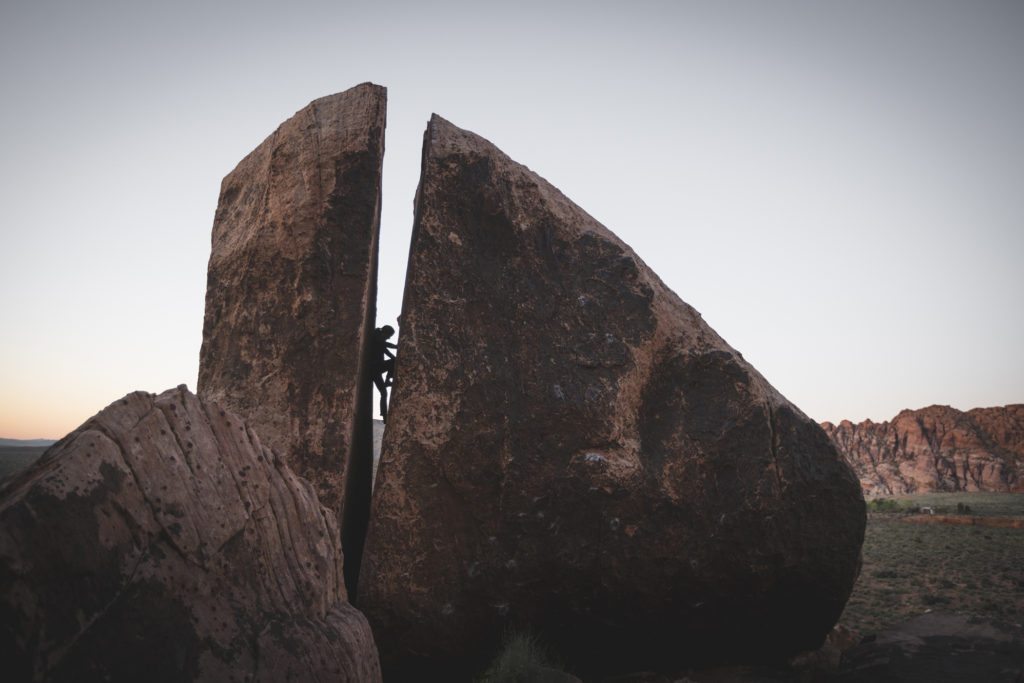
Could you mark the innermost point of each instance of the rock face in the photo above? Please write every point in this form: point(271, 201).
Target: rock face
point(378, 442)
point(936, 449)
point(939, 647)
point(291, 291)
point(573, 450)
point(161, 541)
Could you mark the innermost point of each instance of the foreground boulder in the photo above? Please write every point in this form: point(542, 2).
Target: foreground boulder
point(939, 647)
point(291, 291)
point(572, 450)
point(161, 541)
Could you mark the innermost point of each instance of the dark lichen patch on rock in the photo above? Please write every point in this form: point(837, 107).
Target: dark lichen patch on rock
point(169, 651)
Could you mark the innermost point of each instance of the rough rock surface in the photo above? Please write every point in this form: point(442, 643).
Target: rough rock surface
point(291, 291)
point(161, 541)
point(939, 647)
point(378, 441)
point(573, 450)
point(938, 448)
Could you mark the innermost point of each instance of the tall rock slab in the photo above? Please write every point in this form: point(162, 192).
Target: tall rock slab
point(572, 450)
point(937, 448)
point(162, 541)
point(291, 291)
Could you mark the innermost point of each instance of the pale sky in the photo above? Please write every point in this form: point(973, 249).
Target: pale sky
point(836, 186)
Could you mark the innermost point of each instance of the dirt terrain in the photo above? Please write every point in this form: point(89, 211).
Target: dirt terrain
point(964, 566)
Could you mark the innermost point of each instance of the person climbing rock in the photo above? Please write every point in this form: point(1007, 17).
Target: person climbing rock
point(383, 365)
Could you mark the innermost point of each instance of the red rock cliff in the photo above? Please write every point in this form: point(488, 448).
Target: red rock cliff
point(937, 448)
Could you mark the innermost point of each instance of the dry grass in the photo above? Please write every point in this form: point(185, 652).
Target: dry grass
point(962, 569)
point(522, 660)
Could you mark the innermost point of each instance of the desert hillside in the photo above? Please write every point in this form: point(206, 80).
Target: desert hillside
point(937, 448)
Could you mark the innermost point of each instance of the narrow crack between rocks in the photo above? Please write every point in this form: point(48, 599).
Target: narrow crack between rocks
point(355, 514)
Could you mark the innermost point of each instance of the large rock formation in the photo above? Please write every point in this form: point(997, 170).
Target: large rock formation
point(161, 541)
point(571, 449)
point(291, 291)
point(938, 448)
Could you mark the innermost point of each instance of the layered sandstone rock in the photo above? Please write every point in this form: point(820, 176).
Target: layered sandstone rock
point(937, 448)
point(162, 541)
point(572, 450)
point(291, 290)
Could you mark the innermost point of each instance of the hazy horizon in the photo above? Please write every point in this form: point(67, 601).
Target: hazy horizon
point(834, 186)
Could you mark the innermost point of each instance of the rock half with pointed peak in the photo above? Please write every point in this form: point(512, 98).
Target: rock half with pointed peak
point(291, 292)
point(571, 450)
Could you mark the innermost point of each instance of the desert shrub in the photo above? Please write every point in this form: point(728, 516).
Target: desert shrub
point(522, 659)
point(963, 509)
point(884, 505)
point(932, 599)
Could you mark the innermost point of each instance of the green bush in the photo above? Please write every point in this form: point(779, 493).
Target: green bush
point(884, 505)
point(889, 505)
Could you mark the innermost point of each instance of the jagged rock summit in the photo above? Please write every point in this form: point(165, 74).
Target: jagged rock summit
point(162, 541)
point(572, 450)
point(291, 294)
point(937, 448)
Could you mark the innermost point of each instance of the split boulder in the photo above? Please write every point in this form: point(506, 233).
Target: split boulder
point(573, 451)
point(291, 292)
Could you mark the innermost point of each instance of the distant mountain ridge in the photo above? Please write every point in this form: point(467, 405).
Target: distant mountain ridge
point(27, 443)
point(938, 448)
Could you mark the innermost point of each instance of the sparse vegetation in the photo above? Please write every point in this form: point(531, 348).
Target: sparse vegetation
point(893, 506)
point(912, 568)
point(522, 659)
point(983, 504)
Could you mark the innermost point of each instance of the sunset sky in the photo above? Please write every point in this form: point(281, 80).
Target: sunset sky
point(838, 187)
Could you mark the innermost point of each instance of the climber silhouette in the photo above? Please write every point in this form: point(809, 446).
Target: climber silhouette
point(383, 365)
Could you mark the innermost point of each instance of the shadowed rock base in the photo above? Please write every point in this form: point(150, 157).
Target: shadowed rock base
point(939, 647)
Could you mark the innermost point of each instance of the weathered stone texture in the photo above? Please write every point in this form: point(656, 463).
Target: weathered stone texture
point(937, 448)
point(573, 450)
point(938, 647)
point(161, 541)
point(291, 290)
